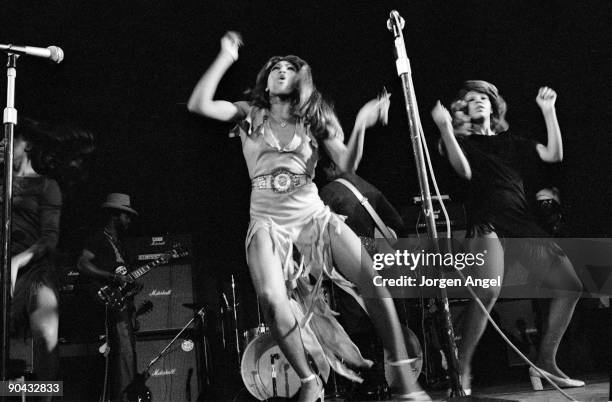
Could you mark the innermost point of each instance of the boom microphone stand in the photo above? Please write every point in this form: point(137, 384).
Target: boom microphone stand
point(395, 24)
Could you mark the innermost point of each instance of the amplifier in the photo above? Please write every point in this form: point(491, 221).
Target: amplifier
point(168, 286)
point(147, 248)
point(82, 370)
point(414, 218)
point(82, 315)
point(174, 377)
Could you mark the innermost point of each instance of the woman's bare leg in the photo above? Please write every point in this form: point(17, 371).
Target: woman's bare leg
point(269, 282)
point(356, 266)
point(474, 320)
point(44, 323)
point(562, 277)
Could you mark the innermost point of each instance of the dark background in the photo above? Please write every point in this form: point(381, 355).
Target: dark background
point(130, 67)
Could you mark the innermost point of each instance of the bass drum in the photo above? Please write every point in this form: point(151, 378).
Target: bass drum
point(257, 370)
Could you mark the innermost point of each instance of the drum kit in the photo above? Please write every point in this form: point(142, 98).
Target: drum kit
point(266, 372)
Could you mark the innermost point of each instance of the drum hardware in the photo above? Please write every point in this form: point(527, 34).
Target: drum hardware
point(224, 308)
point(273, 357)
point(235, 320)
point(258, 312)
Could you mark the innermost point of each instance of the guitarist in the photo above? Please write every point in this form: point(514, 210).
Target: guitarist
point(352, 317)
point(102, 255)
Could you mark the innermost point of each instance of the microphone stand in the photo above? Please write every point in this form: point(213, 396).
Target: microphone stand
point(395, 24)
point(10, 121)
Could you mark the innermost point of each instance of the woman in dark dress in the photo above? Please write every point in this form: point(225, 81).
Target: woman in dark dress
point(494, 161)
point(41, 155)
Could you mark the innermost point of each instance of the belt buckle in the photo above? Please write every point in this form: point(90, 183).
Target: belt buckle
point(282, 181)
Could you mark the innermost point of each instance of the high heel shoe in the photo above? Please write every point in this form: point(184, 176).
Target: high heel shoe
point(536, 380)
point(416, 396)
point(319, 396)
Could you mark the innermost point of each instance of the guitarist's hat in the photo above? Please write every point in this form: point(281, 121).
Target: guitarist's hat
point(119, 201)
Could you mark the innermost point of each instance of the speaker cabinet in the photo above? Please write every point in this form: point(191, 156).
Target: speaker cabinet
point(82, 371)
point(168, 286)
point(416, 222)
point(174, 377)
point(81, 315)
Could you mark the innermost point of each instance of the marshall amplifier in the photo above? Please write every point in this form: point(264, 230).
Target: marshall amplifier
point(174, 377)
point(167, 286)
point(415, 221)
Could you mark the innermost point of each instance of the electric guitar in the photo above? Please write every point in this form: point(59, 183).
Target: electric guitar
point(115, 296)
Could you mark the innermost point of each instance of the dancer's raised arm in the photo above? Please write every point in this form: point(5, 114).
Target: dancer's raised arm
point(347, 157)
point(201, 100)
point(553, 150)
point(455, 155)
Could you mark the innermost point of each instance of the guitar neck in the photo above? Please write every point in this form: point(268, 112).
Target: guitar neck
point(145, 268)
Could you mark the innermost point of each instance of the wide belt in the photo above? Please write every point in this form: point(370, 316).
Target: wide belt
point(280, 181)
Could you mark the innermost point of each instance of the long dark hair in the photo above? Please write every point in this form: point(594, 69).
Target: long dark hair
point(307, 102)
point(59, 151)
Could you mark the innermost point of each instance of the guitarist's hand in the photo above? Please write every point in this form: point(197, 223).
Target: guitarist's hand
point(122, 280)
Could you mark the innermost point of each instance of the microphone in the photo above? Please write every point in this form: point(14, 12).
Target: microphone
point(53, 53)
point(395, 24)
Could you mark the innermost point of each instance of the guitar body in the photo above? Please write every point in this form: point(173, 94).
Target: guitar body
point(116, 297)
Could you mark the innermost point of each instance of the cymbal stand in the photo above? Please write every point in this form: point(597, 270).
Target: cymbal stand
point(235, 321)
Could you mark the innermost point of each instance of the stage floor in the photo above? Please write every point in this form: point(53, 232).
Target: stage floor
point(596, 390)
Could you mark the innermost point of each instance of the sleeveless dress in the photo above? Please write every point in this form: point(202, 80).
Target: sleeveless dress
point(298, 219)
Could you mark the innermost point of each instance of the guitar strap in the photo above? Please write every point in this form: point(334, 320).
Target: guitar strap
point(118, 256)
point(368, 207)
